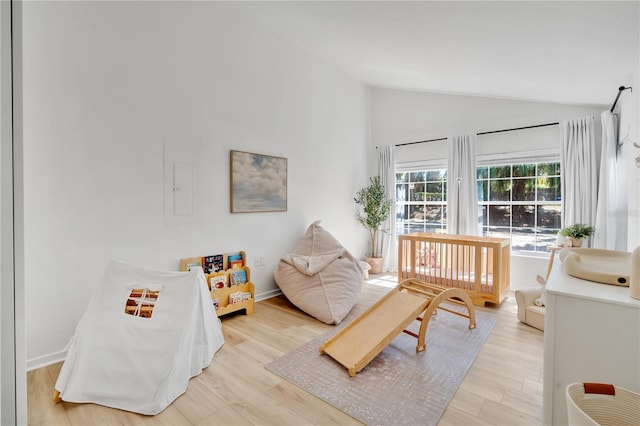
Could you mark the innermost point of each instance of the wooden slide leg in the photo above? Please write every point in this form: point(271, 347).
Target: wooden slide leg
point(428, 313)
point(56, 397)
point(469, 304)
point(433, 305)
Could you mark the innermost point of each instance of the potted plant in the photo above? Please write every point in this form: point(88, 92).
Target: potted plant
point(376, 206)
point(576, 233)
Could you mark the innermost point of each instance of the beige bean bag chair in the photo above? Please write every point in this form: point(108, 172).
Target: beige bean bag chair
point(320, 276)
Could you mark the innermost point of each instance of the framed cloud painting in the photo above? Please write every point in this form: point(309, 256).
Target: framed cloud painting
point(258, 183)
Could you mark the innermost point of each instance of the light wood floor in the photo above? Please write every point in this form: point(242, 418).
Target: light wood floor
point(502, 387)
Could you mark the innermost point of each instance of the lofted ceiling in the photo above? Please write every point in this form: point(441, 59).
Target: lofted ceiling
point(575, 52)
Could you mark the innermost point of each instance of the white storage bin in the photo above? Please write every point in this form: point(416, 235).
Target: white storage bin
point(600, 404)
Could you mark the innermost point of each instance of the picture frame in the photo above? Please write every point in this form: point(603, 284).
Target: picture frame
point(258, 182)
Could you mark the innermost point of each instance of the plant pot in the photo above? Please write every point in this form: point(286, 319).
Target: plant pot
point(376, 264)
point(576, 242)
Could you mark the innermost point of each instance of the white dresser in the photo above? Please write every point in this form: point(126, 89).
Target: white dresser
point(591, 334)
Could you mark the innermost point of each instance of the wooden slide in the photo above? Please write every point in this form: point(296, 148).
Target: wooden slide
point(365, 337)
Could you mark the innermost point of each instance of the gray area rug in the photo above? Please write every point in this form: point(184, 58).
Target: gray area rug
point(399, 387)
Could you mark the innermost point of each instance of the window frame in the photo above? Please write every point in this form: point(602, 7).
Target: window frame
point(540, 244)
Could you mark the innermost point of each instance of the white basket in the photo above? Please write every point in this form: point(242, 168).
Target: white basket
point(620, 409)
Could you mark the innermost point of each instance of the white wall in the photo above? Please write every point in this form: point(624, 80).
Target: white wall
point(106, 83)
point(404, 116)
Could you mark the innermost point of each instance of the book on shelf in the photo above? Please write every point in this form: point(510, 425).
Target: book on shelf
point(213, 263)
point(238, 276)
point(216, 303)
point(235, 298)
point(217, 281)
point(234, 260)
point(193, 265)
point(190, 262)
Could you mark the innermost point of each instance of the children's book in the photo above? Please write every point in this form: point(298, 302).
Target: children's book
point(237, 277)
point(217, 282)
point(235, 261)
point(213, 263)
point(235, 297)
point(190, 262)
point(193, 265)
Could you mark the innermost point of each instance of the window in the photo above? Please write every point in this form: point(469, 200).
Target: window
point(521, 202)
point(421, 201)
point(141, 302)
point(518, 201)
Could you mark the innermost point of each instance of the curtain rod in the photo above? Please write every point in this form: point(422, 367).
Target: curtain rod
point(484, 133)
point(620, 90)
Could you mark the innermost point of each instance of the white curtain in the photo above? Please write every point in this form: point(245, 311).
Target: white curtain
point(387, 173)
point(579, 173)
point(462, 192)
point(611, 212)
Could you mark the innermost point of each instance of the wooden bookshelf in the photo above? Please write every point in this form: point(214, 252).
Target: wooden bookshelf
point(226, 304)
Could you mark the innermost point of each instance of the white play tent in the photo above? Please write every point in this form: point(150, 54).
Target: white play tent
point(137, 363)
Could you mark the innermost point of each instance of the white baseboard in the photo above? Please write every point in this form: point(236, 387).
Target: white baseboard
point(45, 360)
point(268, 294)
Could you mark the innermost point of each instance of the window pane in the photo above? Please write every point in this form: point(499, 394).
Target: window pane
point(524, 189)
point(523, 239)
point(425, 219)
point(400, 211)
point(524, 170)
point(549, 169)
point(482, 172)
point(416, 191)
point(416, 176)
point(483, 190)
point(402, 177)
point(416, 213)
point(434, 192)
point(415, 220)
point(549, 216)
point(484, 215)
point(545, 238)
point(523, 216)
point(401, 192)
point(498, 232)
point(549, 189)
point(435, 175)
point(415, 227)
point(433, 215)
point(499, 215)
point(500, 171)
point(500, 190)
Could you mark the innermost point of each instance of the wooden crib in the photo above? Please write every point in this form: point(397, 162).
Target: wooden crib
point(478, 265)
